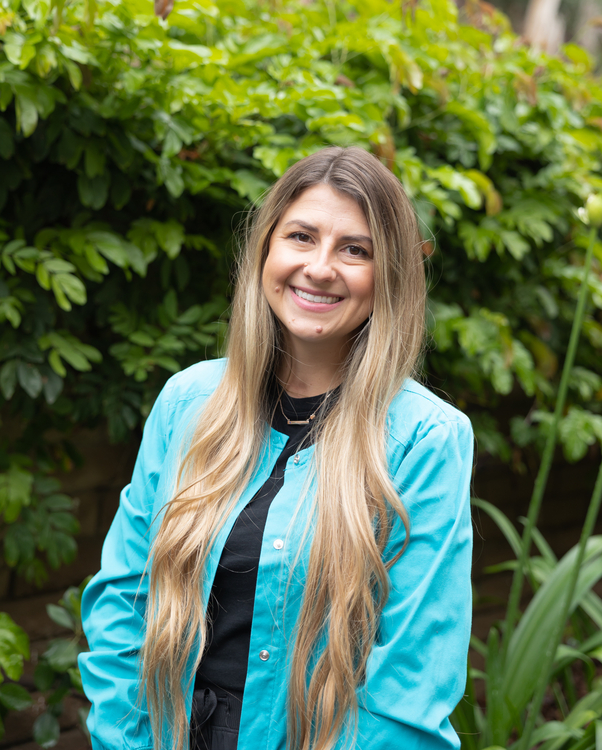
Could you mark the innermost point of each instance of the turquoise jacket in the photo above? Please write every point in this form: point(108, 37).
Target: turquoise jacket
point(416, 671)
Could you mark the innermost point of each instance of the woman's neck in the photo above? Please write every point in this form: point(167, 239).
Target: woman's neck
point(302, 376)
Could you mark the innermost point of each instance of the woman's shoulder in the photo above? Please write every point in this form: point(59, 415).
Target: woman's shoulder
point(416, 410)
point(197, 381)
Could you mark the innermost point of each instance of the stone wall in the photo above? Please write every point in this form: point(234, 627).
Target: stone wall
point(107, 468)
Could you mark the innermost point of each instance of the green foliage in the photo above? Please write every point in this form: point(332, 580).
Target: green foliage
point(57, 673)
point(14, 649)
point(510, 685)
point(38, 518)
point(129, 147)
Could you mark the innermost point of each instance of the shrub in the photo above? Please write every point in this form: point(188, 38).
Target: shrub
point(129, 147)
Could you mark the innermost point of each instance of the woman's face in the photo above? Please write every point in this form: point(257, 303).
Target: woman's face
point(318, 277)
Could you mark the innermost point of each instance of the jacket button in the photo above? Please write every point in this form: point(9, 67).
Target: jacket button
point(264, 655)
point(278, 544)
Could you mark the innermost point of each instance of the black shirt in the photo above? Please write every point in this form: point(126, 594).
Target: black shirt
point(230, 609)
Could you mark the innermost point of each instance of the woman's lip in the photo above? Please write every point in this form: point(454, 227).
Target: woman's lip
point(313, 306)
point(315, 292)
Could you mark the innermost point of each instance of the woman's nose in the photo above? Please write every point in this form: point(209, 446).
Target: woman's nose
point(320, 268)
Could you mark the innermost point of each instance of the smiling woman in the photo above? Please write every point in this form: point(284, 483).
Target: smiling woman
point(318, 279)
point(290, 565)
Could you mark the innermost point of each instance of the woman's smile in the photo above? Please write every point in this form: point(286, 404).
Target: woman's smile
point(318, 277)
point(314, 300)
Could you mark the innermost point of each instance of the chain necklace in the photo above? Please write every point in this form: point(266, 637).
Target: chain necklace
point(295, 421)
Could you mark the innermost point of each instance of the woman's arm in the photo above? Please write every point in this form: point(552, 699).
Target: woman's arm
point(416, 672)
point(114, 601)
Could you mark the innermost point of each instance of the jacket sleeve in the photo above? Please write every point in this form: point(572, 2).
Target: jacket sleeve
point(416, 673)
point(114, 601)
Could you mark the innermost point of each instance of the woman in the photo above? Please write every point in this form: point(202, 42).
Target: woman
point(293, 551)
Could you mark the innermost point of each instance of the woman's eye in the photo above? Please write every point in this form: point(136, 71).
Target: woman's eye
point(300, 236)
point(356, 251)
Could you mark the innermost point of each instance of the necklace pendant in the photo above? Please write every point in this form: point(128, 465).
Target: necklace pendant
point(299, 421)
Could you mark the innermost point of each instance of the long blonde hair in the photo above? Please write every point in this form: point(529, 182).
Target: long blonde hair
point(355, 504)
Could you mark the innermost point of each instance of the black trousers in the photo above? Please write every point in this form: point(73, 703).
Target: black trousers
point(215, 719)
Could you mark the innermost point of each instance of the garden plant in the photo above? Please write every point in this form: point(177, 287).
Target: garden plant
point(130, 148)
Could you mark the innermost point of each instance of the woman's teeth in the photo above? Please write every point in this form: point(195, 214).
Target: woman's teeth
point(314, 298)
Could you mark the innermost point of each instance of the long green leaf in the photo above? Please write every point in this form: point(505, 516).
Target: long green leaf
point(538, 624)
point(567, 606)
point(502, 521)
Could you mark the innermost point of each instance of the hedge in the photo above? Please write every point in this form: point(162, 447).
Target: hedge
point(130, 148)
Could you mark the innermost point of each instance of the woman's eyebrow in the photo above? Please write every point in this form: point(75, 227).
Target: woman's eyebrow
point(346, 238)
point(361, 238)
point(304, 225)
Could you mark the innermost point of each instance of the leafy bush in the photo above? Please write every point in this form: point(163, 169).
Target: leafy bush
point(57, 673)
point(510, 684)
point(129, 147)
point(14, 648)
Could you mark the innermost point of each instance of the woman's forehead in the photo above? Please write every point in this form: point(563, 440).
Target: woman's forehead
point(321, 206)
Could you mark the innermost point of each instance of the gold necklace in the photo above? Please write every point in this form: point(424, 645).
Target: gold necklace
point(295, 421)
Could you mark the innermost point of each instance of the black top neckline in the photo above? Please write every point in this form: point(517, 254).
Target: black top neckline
point(297, 409)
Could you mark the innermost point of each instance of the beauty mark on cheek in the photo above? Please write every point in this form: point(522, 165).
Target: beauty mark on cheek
point(319, 329)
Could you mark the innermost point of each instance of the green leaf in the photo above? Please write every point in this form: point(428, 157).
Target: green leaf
point(142, 339)
point(111, 246)
point(60, 616)
point(53, 386)
point(43, 276)
point(70, 148)
point(30, 379)
point(44, 676)
point(27, 115)
point(515, 243)
point(65, 522)
point(95, 160)
point(19, 545)
point(58, 502)
point(60, 295)
point(76, 679)
point(170, 303)
point(538, 622)
point(8, 378)
point(15, 490)
point(172, 177)
point(14, 697)
point(248, 185)
point(73, 287)
point(121, 191)
point(170, 236)
point(504, 524)
point(46, 730)
point(62, 654)
point(94, 191)
point(479, 126)
point(14, 647)
point(54, 360)
point(578, 55)
point(172, 144)
point(75, 74)
point(77, 354)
